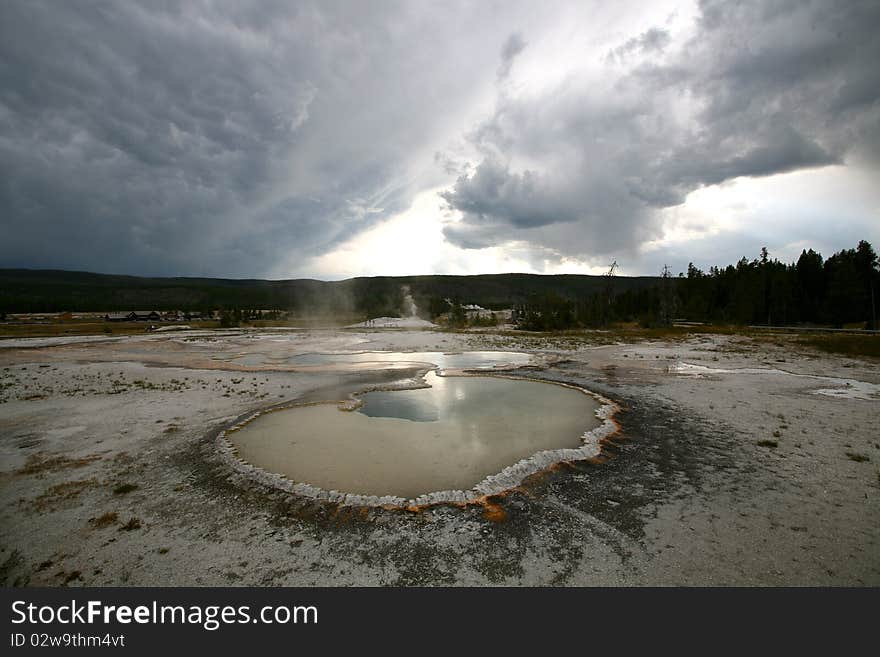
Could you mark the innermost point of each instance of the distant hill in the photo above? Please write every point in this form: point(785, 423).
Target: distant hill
point(26, 290)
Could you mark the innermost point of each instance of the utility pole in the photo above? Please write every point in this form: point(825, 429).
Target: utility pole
point(609, 291)
point(666, 298)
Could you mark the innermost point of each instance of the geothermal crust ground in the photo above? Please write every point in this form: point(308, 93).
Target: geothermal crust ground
point(739, 460)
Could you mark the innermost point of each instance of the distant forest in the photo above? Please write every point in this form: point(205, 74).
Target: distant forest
point(813, 291)
point(47, 291)
point(835, 291)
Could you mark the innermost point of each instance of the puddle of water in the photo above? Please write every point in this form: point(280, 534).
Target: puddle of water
point(846, 388)
point(467, 360)
point(250, 359)
point(450, 436)
point(852, 389)
point(389, 359)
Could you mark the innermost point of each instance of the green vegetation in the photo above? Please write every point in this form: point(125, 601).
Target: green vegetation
point(35, 291)
point(836, 291)
point(847, 344)
point(839, 291)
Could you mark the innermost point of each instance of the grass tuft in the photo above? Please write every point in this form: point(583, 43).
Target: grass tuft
point(104, 520)
point(132, 524)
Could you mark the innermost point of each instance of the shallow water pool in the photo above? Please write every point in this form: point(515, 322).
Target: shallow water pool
point(407, 443)
point(466, 360)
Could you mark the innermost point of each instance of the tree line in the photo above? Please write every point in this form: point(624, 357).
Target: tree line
point(837, 291)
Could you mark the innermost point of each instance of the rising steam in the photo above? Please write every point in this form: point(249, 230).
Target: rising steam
point(410, 310)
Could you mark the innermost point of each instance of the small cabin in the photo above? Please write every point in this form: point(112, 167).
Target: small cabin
point(145, 316)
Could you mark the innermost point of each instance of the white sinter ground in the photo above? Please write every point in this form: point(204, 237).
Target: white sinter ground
point(741, 461)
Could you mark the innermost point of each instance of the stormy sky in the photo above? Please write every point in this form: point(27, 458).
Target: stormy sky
point(282, 139)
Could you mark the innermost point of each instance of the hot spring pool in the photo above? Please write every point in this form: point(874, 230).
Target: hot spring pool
point(408, 443)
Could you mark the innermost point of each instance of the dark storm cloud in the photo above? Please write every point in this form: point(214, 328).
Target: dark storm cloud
point(129, 131)
point(760, 88)
point(225, 138)
point(237, 138)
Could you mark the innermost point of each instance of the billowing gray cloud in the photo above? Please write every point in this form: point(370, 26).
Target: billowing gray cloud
point(242, 138)
point(758, 89)
point(224, 138)
point(653, 40)
point(130, 131)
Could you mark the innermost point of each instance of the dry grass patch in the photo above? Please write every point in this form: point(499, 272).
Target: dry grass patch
point(42, 463)
point(62, 492)
point(131, 525)
point(104, 520)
